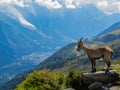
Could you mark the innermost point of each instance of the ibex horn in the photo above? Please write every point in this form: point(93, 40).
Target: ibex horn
point(81, 39)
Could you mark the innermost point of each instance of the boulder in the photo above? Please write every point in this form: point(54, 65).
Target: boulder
point(100, 76)
point(95, 86)
point(115, 88)
point(69, 89)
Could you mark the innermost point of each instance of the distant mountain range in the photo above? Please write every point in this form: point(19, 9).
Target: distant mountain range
point(68, 58)
point(28, 35)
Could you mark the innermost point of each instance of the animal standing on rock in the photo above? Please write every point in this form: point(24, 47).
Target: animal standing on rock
point(96, 53)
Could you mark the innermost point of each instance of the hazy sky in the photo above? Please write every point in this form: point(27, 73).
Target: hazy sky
point(108, 6)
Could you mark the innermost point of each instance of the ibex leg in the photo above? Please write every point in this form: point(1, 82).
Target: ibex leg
point(93, 62)
point(107, 60)
point(108, 66)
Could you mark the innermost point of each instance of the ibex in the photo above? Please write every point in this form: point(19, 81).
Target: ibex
point(96, 53)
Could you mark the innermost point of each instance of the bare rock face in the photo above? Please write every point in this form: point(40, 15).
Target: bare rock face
point(100, 76)
point(98, 81)
point(95, 86)
point(115, 88)
point(69, 89)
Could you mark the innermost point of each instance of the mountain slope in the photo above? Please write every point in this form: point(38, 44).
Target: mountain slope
point(51, 27)
point(114, 27)
point(61, 21)
point(18, 48)
point(110, 34)
point(65, 59)
point(28, 35)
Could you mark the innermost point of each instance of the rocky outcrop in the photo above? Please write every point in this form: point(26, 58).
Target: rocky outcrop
point(100, 76)
point(115, 88)
point(95, 86)
point(97, 80)
point(69, 89)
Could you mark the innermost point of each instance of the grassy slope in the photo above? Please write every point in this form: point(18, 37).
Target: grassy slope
point(83, 63)
point(117, 31)
point(73, 60)
point(67, 58)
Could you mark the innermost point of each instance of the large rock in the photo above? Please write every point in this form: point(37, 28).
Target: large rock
point(115, 88)
point(69, 89)
point(100, 76)
point(95, 86)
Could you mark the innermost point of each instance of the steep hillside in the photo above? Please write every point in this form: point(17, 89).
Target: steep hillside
point(65, 59)
point(110, 34)
point(28, 35)
point(111, 28)
point(59, 58)
point(56, 61)
point(19, 47)
point(32, 32)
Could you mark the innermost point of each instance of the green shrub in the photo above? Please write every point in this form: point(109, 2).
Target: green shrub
point(43, 80)
point(51, 80)
point(73, 80)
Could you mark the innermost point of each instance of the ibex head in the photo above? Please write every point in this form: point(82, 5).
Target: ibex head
point(80, 44)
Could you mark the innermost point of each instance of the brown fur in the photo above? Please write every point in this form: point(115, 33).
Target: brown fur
point(96, 53)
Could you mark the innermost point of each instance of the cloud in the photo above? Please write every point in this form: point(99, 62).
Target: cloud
point(69, 4)
point(14, 2)
point(26, 23)
point(102, 4)
point(107, 6)
point(49, 3)
point(15, 14)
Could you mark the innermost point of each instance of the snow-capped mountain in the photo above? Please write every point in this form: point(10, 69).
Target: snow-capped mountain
point(31, 30)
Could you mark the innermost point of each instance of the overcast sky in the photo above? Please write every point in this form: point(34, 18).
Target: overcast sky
point(108, 6)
